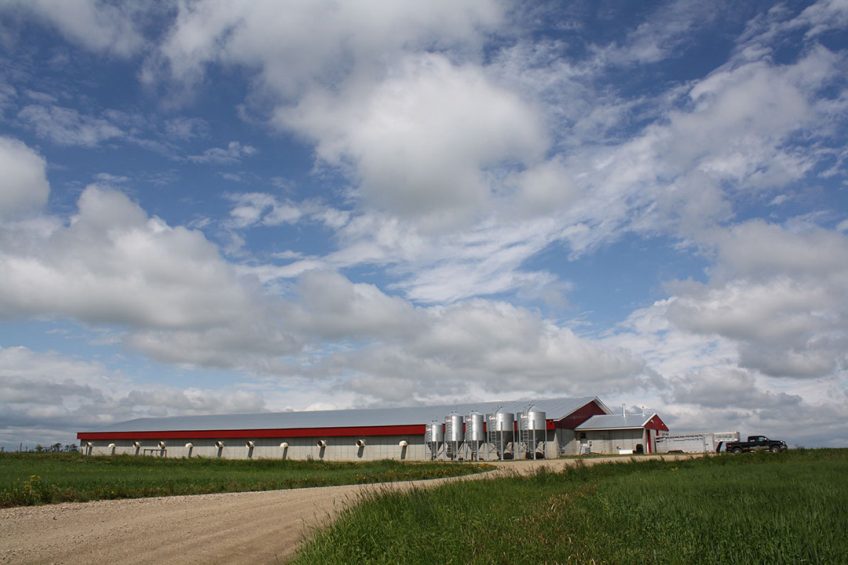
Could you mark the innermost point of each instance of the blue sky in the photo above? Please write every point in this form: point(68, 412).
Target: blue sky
point(229, 207)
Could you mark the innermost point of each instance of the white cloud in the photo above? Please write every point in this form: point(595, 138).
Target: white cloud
point(662, 35)
point(330, 306)
point(417, 133)
point(756, 250)
point(730, 133)
point(97, 25)
point(680, 174)
point(114, 264)
point(491, 348)
point(257, 343)
point(188, 306)
point(24, 188)
point(295, 45)
point(704, 384)
point(261, 208)
point(232, 153)
point(67, 126)
point(422, 140)
point(780, 295)
point(438, 145)
point(823, 16)
point(357, 336)
point(759, 346)
point(184, 128)
point(48, 397)
point(463, 162)
point(109, 179)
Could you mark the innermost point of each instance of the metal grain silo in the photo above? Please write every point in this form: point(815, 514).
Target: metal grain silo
point(434, 436)
point(454, 433)
point(501, 427)
point(475, 433)
point(532, 426)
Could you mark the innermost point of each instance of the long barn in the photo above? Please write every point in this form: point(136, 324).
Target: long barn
point(484, 430)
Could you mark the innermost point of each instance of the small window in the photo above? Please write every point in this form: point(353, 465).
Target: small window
point(582, 435)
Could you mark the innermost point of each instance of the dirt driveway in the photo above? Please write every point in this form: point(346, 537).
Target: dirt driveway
point(251, 527)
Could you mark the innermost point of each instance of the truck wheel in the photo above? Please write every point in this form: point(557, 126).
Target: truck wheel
point(775, 449)
point(737, 450)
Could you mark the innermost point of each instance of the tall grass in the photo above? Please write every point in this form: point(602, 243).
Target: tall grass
point(782, 508)
point(29, 478)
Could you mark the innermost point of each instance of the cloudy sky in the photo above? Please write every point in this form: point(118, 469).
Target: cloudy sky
point(223, 206)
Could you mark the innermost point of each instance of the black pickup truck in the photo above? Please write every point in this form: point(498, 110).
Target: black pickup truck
point(756, 443)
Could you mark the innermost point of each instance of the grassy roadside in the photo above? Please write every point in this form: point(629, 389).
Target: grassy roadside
point(784, 508)
point(29, 478)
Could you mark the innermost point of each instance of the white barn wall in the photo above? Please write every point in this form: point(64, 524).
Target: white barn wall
point(566, 441)
point(338, 448)
point(610, 441)
point(300, 449)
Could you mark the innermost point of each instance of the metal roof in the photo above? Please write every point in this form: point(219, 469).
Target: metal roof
point(616, 422)
point(554, 408)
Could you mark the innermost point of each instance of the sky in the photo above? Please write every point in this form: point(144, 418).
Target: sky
point(225, 206)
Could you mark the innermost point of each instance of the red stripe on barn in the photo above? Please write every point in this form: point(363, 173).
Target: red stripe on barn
point(403, 430)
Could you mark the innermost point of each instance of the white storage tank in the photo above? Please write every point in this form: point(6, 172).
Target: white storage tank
point(434, 436)
point(501, 432)
point(475, 433)
point(536, 420)
point(454, 432)
point(532, 427)
point(474, 427)
point(503, 422)
point(435, 433)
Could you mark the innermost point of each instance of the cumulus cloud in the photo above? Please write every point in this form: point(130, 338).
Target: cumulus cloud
point(358, 332)
point(114, 264)
point(495, 348)
point(720, 387)
point(462, 159)
point(47, 397)
point(781, 295)
point(441, 143)
point(743, 128)
point(332, 307)
point(422, 140)
point(180, 302)
point(295, 45)
point(24, 188)
point(704, 383)
point(761, 342)
point(416, 132)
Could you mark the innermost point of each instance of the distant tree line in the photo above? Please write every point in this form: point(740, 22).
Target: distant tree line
point(53, 448)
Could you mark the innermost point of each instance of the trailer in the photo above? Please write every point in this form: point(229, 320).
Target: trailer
point(697, 442)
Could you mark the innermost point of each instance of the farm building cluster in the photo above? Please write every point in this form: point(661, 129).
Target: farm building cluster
point(540, 428)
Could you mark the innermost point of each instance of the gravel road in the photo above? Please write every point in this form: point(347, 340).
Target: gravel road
point(248, 527)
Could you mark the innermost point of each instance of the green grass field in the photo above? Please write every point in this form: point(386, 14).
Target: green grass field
point(30, 478)
point(767, 508)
